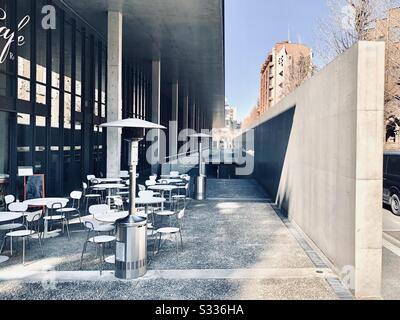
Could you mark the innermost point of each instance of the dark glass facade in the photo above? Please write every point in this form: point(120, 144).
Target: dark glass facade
point(53, 98)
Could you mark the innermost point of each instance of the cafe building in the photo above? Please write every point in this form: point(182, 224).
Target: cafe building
point(68, 66)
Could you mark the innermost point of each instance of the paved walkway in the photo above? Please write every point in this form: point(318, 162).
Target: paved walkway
point(232, 250)
point(391, 256)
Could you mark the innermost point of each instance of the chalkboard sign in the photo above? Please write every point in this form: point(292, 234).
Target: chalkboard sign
point(34, 187)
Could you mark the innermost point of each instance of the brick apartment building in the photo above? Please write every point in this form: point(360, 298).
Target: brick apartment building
point(388, 30)
point(280, 74)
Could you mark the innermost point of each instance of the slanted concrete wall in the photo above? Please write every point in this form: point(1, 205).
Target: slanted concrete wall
point(331, 178)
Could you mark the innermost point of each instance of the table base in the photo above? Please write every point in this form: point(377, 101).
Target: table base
point(4, 259)
point(110, 260)
point(52, 234)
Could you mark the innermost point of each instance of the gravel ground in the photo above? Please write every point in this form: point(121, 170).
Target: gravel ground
point(216, 234)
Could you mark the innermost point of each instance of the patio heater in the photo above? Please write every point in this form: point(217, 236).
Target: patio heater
point(131, 245)
point(201, 180)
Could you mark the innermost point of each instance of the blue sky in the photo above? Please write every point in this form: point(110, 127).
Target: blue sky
point(252, 27)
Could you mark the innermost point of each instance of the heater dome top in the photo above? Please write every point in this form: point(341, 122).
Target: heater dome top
point(132, 123)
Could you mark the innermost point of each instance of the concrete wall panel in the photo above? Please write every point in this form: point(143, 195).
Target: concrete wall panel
point(331, 178)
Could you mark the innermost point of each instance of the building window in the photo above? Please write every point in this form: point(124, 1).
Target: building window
point(4, 142)
point(24, 134)
point(40, 145)
point(24, 89)
point(24, 53)
point(78, 83)
point(395, 34)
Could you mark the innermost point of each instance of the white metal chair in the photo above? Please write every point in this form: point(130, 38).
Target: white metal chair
point(8, 199)
point(146, 194)
point(90, 196)
point(123, 192)
point(100, 209)
point(150, 183)
point(32, 228)
point(124, 173)
point(174, 174)
point(58, 218)
point(90, 178)
point(97, 188)
point(98, 240)
point(76, 197)
point(176, 231)
point(181, 197)
point(119, 203)
point(17, 207)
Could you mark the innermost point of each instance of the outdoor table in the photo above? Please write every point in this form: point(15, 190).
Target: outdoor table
point(10, 216)
point(164, 188)
point(149, 201)
point(168, 176)
point(111, 217)
point(44, 202)
point(6, 217)
point(108, 180)
point(110, 187)
point(170, 181)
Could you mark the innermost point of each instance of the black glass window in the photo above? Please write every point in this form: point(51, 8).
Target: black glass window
point(24, 134)
point(4, 142)
point(394, 165)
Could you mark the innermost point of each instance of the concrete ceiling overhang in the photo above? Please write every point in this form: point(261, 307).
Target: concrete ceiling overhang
point(187, 35)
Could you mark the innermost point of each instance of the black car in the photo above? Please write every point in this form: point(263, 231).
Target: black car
point(391, 181)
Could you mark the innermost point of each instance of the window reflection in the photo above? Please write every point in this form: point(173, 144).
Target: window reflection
point(23, 139)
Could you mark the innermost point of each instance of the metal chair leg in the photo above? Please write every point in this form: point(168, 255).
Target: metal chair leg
point(177, 243)
point(83, 252)
point(67, 226)
point(180, 233)
point(23, 251)
point(101, 258)
point(154, 247)
point(40, 244)
point(3, 244)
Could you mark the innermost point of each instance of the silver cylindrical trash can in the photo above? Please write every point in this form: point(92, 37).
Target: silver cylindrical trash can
point(201, 187)
point(131, 248)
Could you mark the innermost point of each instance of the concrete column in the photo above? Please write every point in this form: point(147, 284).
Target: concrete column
point(114, 95)
point(173, 129)
point(155, 107)
point(198, 119)
point(193, 124)
point(186, 112)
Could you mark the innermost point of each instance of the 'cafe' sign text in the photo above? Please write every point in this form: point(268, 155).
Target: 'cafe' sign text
point(9, 36)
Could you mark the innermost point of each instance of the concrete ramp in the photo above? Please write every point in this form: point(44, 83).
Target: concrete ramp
point(236, 189)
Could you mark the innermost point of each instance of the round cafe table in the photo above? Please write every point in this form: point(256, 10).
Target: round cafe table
point(110, 187)
point(168, 176)
point(7, 217)
point(164, 188)
point(170, 181)
point(111, 217)
point(45, 202)
point(108, 180)
point(146, 202)
point(10, 216)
